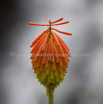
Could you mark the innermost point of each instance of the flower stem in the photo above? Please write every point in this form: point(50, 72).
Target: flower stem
point(51, 97)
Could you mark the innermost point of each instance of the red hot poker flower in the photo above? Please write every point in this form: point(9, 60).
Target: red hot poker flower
point(50, 56)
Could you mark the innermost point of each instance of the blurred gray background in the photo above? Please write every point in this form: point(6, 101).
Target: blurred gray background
point(84, 80)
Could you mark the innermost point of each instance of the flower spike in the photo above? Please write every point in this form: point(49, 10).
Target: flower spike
point(50, 57)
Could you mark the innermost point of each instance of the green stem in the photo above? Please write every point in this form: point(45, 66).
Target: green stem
point(51, 97)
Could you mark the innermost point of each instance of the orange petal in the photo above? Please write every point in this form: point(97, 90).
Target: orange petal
point(65, 50)
point(45, 53)
point(61, 51)
point(37, 44)
point(66, 70)
point(57, 59)
point(32, 56)
point(66, 33)
point(60, 61)
point(52, 58)
point(40, 35)
point(37, 54)
point(34, 71)
point(52, 48)
point(32, 45)
point(66, 66)
point(32, 61)
point(45, 41)
point(57, 20)
point(36, 49)
point(49, 51)
point(56, 56)
point(56, 40)
point(54, 65)
point(47, 19)
point(47, 63)
point(63, 46)
point(29, 23)
point(69, 54)
point(52, 44)
point(60, 23)
point(59, 68)
point(36, 58)
point(44, 59)
point(67, 58)
point(39, 61)
point(34, 67)
point(62, 41)
point(47, 29)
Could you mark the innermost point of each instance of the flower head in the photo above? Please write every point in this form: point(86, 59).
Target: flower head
point(50, 56)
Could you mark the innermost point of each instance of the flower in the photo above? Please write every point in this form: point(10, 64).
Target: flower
point(50, 56)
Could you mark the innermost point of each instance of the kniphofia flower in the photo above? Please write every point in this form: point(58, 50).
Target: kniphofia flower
point(50, 56)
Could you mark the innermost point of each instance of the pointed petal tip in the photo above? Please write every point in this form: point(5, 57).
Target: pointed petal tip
point(70, 33)
point(47, 19)
point(29, 23)
point(31, 45)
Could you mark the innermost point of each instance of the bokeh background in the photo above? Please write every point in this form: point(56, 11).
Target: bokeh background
point(84, 80)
